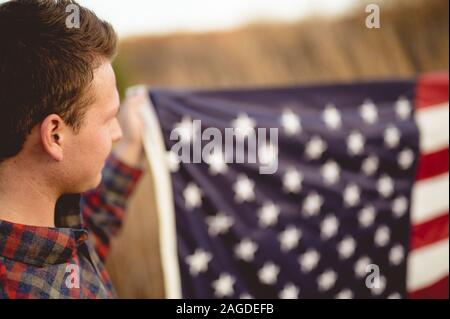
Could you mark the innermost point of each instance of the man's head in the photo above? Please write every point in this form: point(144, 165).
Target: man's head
point(58, 97)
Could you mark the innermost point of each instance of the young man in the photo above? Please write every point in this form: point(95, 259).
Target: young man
point(58, 121)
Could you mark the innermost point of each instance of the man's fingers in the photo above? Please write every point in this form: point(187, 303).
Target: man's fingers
point(136, 97)
point(136, 90)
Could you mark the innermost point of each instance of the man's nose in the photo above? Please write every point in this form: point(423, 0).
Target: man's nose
point(117, 132)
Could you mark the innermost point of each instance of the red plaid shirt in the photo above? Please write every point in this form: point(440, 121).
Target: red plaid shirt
point(60, 262)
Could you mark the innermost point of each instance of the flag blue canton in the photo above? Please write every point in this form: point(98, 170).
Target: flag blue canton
point(336, 209)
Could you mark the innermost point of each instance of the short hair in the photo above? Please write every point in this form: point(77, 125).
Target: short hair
point(46, 66)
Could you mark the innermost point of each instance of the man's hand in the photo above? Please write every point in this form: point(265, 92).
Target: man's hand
point(129, 148)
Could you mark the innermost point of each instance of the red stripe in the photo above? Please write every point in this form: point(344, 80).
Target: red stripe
point(438, 290)
point(429, 232)
point(431, 89)
point(432, 164)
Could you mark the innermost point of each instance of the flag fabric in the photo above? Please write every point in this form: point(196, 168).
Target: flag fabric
point(357, 206)
point(428, 262)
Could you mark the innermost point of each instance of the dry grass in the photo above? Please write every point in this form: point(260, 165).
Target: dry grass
point(413, 39)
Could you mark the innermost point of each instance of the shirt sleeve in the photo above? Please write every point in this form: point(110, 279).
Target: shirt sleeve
point(103, 208)
point(3, 294)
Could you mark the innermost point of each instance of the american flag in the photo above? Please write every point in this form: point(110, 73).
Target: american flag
point(358, 207)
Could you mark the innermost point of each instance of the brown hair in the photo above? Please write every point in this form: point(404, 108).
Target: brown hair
point(45, 66)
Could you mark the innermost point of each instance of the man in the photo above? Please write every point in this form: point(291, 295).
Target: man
point(59, 117)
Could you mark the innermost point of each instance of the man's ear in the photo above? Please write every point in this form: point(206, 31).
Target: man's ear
point(52, 136)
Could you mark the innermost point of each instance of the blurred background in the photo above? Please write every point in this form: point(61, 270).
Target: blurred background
point(202, 43)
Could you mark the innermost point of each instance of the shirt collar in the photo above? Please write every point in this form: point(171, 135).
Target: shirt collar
point(67, 211)
point(39, 245)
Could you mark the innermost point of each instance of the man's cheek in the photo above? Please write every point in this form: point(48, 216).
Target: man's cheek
point(105, 148)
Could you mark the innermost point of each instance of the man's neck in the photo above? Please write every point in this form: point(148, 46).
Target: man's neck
point(24, 199)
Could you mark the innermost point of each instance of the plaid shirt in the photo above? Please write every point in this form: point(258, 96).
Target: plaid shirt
point(60, 262)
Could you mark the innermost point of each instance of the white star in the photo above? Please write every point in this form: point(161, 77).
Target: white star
point(327, 280)
point(400, 206)
point(290, 291)
point(395, 295)
point(352, 195)
point(198, 262)
point(268, 273)
point(396, 255)
point(329, 227)
point(244, 126)
point(173, 161)
point(345, 294)
point(392, 136)
point(192, 196)
point(405, 158)
point(223, 287)
point(245, 250)
point(219, 224)
point(312, 204)
point(370, 165)
point(185, 130)
point(361, 265)
point(244, 189)
point(368, 112)
point(315, 147)
point(382, 236)
point(366, 216)
point(378, 290)
point(290, 122)
point(346, 247)
point(309, 260)
point(267, 153)
point(403, 108)
point(216, 162)
point(330, 172)
point(332, 117)
point(385, 186)
point(292, 180)
point(268, 214)
point(355, 143)
point(289, 238)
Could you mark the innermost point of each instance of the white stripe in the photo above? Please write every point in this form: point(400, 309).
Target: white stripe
point(427, 265)
point(430, 198)
point(433, 126)
point(156, 155)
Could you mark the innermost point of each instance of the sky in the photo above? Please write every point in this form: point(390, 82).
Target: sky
point(136, 17)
